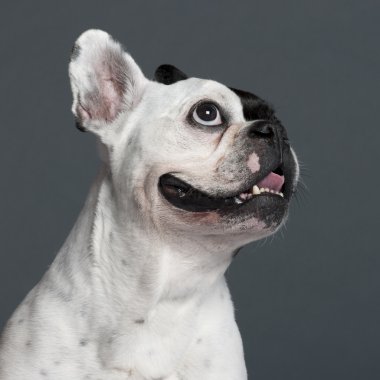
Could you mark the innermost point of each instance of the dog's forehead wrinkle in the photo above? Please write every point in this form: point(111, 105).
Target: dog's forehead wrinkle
point(185, 93)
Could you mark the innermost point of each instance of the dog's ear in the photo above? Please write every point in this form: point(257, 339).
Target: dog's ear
point(169, 74)
point(105, 81)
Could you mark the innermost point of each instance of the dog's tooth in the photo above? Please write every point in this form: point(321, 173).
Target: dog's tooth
point(238, 200)
point(262, 190)
point(243, 196)
point(282, 194)
point(256, 190)
point(267, 190)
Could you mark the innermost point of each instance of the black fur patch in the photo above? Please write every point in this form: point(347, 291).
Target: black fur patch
point(75, 51)
point(169, 74)
point(254, 108)
point(79, 125)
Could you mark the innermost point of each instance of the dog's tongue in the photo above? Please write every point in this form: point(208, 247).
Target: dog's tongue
point(272, 181)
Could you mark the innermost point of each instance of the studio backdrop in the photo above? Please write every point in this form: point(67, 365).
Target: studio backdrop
point(306, 299)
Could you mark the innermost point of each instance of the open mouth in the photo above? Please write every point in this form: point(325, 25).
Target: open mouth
point(184, 196)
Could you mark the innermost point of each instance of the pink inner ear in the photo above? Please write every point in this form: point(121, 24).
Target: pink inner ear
point(105, 100)
point(112, 100)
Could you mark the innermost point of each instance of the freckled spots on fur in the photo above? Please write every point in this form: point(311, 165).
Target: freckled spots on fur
point(140, 321)
point(199, 340)
point(83, 314)
point(151, 353)
point(179, 298)
point(57, 362)
point(207, 363)
point(124, 262)
point(110, 340)
point(83, 342)
point(43, 372)
point(28, 343)
point(20, 321)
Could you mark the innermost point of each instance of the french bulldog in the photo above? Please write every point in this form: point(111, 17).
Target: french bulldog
point(191, 171)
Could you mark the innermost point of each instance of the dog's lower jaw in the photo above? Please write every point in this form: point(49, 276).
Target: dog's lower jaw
point(132, 301)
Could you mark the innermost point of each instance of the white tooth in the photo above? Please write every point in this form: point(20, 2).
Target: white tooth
point(272, 191)
point(282, 194)
point(267, 190)
point(255, 190)
point(243, 196)
point(262, 190)
point(238, 200)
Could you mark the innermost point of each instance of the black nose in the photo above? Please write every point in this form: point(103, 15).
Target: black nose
point(261, 128)
point(265, 129)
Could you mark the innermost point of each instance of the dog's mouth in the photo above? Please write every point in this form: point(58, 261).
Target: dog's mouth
point(272, 185)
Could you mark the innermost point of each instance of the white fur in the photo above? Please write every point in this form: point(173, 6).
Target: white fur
point(138, 290)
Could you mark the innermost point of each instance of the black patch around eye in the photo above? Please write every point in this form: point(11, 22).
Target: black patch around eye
point(169, 74)
point(254, 108)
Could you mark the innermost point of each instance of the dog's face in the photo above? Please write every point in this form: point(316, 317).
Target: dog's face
point(187, 155)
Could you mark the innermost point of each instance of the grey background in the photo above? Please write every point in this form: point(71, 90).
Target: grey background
point(307, 301)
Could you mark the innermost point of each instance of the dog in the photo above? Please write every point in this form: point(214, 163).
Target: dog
point(192, 170)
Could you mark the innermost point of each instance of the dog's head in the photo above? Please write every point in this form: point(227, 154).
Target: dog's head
point(188, 155)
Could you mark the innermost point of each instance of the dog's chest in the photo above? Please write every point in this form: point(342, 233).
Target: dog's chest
point(153, 346)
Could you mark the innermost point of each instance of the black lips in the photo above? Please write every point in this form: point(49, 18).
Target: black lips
point(184, 196)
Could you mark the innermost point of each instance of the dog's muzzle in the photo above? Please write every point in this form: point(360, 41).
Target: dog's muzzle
point(263, 194)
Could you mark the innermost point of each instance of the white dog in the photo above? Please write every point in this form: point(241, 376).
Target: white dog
point(192, 171)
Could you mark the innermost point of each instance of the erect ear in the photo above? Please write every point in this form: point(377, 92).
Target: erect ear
point(105, 81)
point(169, 74)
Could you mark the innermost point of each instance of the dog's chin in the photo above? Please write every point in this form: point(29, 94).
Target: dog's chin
point(247, 211)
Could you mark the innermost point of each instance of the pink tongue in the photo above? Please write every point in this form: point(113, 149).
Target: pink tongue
point(272, 181)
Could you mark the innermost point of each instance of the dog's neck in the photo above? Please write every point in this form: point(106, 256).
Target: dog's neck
point(127, 267)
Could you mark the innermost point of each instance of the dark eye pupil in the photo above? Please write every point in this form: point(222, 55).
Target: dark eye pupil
point(207, 112)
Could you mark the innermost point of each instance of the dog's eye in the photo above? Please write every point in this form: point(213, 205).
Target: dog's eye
point(207, 114)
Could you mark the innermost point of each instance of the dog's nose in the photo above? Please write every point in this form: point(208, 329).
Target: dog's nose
point(265, 129)
point(261, 128)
